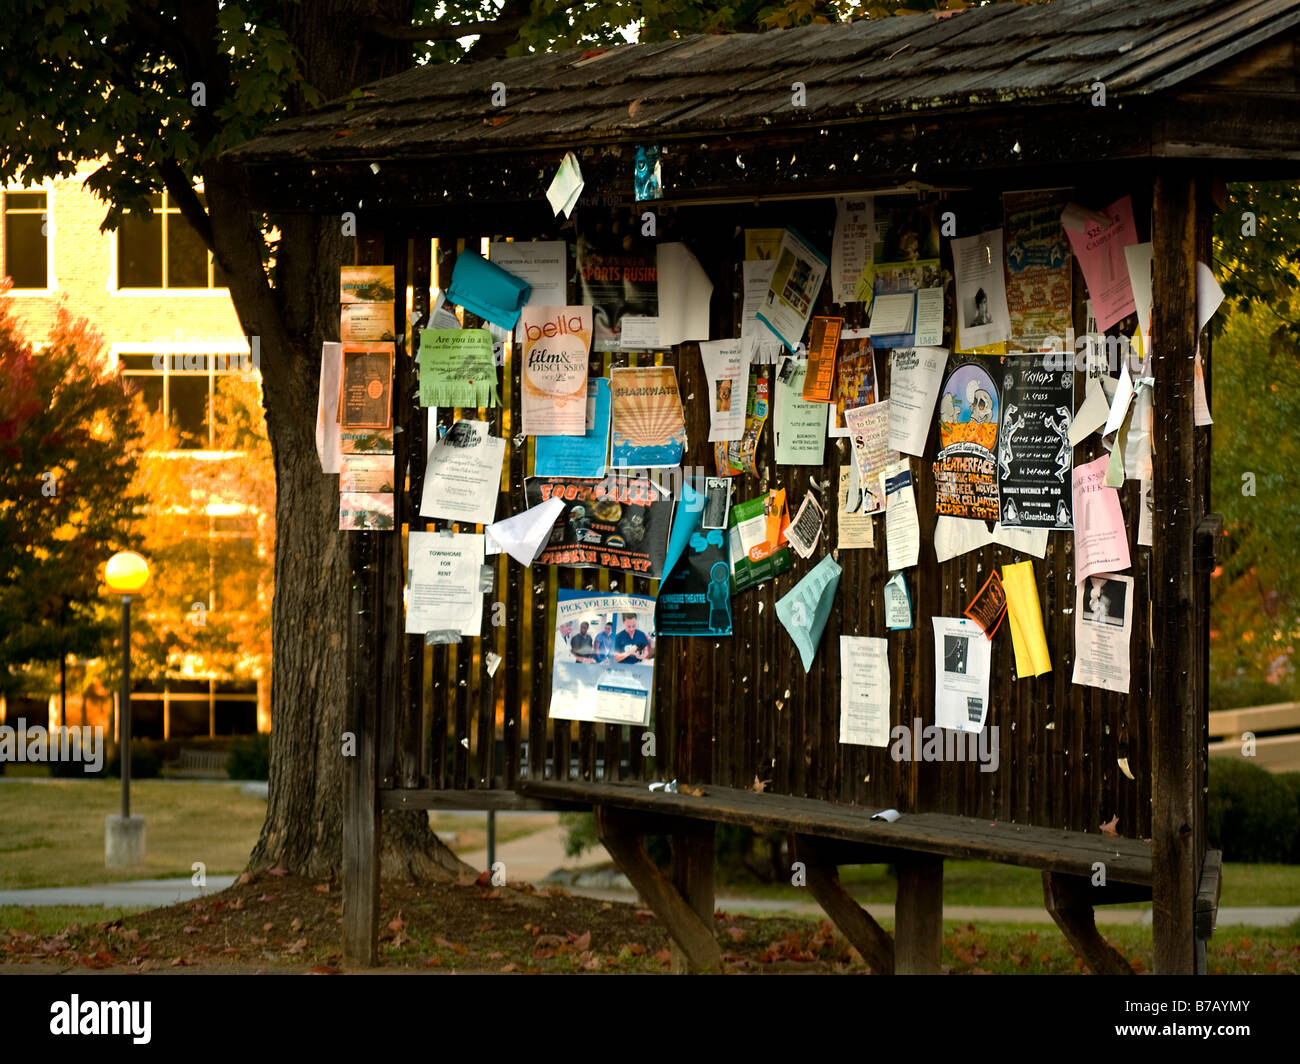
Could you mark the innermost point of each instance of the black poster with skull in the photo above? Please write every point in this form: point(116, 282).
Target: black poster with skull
point(1035, 459)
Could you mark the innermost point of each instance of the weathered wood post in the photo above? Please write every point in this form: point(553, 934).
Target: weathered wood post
point(1175, 683)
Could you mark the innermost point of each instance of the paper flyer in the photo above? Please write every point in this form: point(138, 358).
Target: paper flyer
point(851, 250)
point(462, 480)
point(955, 536)
point(1035, 458)
point(556, 343)
point(367, 284)
point(1039, 268)
point(444, 590)
point(1099, 247)
point(457, 368)
point(737, 457)
point(905, 261)
point(603, 669)
point(869, 438)
point(366, 511)
point(366, 387)
point(1146, 518)
point(965, 473)
point(806, 607)
point(579, 456)
point(864, 690)
point(327, 407)
point(543, 264)
point(823, 343)
point(756, 339)
point(1025, 616)
point(982, 313)
point(800, 423)
point(902, 527)
point(727, 372)
point(566, 186)
point(367, 473)
point(756, 547)
point(684, 291)
point(914, 378)
point(1100, 538)
point(648, 425)
point(617, 275)
point(855, 529)
point(796, 281)
point(989, 606)
point(806, 528)
point(898, 603)
point(855, 377)
point(1103, 624)
point(961, 674)
point(524, 535)
point(366, 322)
point(619, 523)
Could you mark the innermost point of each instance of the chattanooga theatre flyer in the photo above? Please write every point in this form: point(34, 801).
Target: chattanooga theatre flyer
point(556, 343)
point(604, 657)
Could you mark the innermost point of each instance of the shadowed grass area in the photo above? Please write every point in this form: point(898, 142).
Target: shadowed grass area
point(52, 831)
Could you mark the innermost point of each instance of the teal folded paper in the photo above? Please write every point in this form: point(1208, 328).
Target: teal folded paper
point(487, 290)
point(805, 609)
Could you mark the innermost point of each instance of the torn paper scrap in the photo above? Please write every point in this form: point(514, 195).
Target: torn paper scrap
point(805, 608)
point(524, 535)
point(566, 186)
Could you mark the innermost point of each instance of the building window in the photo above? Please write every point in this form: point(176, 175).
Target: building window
point(162, 250)
point(27, 249)
point(181, 386)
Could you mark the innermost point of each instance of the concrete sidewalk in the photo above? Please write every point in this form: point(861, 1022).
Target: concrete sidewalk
point(141, 893)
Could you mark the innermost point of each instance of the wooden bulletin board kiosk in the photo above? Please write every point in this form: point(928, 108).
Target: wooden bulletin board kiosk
point(1159, 102)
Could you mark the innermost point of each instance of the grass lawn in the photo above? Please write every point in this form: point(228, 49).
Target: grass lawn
point(52, 831)
point(985, 883)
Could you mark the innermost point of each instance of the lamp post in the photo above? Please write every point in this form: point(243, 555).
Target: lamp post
point(125, 574)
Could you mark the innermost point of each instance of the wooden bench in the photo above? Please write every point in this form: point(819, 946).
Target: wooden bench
point(825, 835)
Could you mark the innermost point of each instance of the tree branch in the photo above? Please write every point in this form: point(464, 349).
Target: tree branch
point(425, 34)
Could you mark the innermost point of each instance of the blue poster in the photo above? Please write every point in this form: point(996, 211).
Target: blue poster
point(579, 456)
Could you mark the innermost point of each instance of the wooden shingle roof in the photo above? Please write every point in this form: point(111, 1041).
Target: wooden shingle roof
point(983, 58)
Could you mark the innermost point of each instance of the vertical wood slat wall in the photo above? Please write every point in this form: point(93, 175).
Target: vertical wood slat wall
point(740, 708)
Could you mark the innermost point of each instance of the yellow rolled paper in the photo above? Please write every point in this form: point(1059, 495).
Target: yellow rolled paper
point(1028, 639)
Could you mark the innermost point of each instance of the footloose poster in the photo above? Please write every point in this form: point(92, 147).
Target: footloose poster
point(648, 424)
point(603, 669)
point(1035, 458)
point(618, 523)
point(965, 474)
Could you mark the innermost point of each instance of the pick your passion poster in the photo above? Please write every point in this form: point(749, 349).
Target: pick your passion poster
point(965, 473)
point(604, 665)
point(618, 523)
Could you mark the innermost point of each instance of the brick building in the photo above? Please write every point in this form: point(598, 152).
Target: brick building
point(151, 289)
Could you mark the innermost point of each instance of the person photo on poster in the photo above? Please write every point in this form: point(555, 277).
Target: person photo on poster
point(1103, 626)
point(607, 676)
point(618, 523)
point(717, 502)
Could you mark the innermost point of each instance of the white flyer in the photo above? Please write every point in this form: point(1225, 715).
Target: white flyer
point(915, 374)
point(445, 576)
point(902, 527)
point(864, 690)
point(1146, 514)
point(868, 428)
point(803, 532)
point(328, 439)
point(684, 291)
point(1103, 623)
point(961, 674)
point(463, 477)
point(756, 339)
point(796, 282)
point(524, 536)
point(542, 263)
point(982, 313)
point(855, 530)
point(855, 232)
point(727, 371)
point(929, 317)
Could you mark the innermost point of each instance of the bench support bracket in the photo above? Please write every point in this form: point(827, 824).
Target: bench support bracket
point(854, 922)
point(918, 915)
point(684, 903)
point(1068, 902)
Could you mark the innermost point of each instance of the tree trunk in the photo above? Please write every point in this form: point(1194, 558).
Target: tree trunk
point(303, 828)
